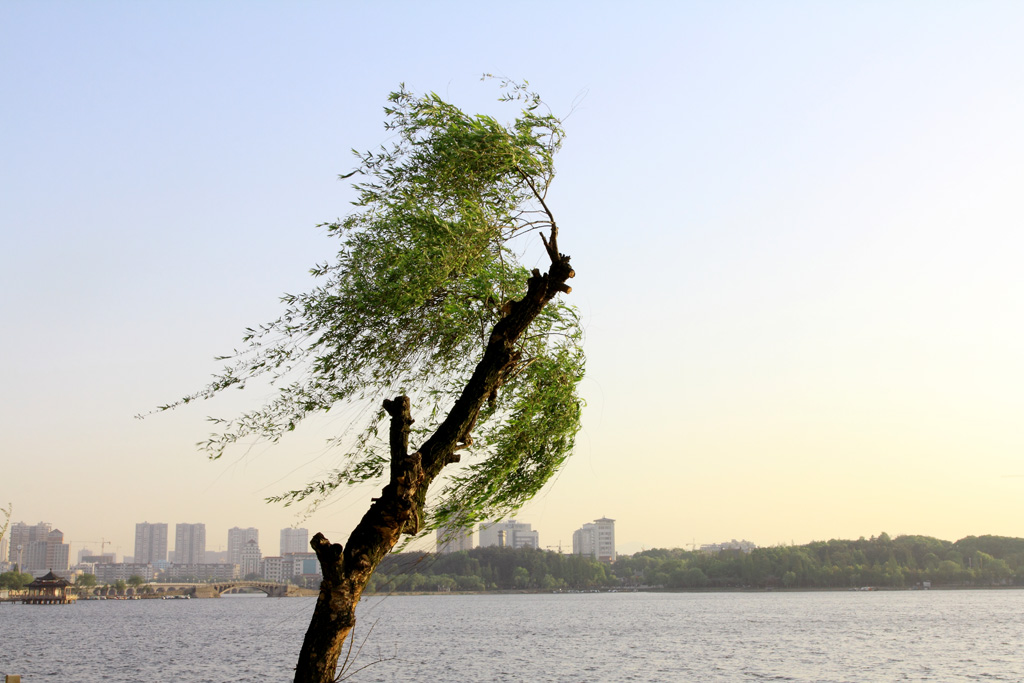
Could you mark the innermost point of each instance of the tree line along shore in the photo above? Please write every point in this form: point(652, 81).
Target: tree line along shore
point(880, 561)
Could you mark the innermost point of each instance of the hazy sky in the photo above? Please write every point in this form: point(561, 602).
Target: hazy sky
point(796, 228)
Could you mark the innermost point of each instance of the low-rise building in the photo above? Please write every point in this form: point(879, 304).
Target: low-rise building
point(276, 569)
point(305, 569)
point(303, 563)
point(105, 558)
point(111, 572)
point(201, 572)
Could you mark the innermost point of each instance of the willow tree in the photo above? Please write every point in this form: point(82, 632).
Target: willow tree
point(428, 313)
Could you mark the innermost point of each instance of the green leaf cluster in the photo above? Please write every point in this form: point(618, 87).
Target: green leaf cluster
point(428, 262)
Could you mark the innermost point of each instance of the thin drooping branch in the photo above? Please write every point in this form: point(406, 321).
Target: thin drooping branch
point(540, 197)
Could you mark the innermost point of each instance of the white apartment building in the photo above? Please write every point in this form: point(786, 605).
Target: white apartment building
point(596, 539)
point(250, 559)
point(294, 541)
point(189, 544)
point(509, 534)
point(237, 538)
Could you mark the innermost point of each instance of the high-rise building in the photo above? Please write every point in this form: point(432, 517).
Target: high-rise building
point(237, 538)
point(4, 542)
point(33, 556)
point(454, 539)
point(150, 543)
point(21, 535)
point(294, 541)
point(57, 551)
point(250, 561)
point(189, 544)
point(38, 548)
point(596, 539)
point(509, 534)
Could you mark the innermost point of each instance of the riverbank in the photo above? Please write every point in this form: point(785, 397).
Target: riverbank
point(672, 591)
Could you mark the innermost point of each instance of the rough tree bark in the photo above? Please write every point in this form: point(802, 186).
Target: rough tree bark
point(399, 509)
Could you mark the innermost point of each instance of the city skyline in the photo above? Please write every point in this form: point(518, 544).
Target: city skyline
point(150, 542)
point(816, 207)
point(511, 531)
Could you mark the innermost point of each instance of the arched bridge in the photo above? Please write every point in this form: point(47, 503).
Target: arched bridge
point(218, 588)
point(273, 590)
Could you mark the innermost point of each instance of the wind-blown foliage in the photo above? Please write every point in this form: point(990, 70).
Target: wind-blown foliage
point(427, 266)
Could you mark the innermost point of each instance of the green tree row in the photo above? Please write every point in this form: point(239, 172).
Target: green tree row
point(880, 561)
point(490, 568)
point(15, 580)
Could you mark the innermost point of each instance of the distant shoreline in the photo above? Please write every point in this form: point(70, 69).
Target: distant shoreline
point(879, 589)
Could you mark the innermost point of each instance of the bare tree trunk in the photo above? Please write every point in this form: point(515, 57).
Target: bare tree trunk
point(399, 509)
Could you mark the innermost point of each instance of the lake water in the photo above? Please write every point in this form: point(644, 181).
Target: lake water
point(827, 636)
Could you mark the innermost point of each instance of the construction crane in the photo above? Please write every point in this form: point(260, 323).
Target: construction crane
point(103, 544)
point(552, 547)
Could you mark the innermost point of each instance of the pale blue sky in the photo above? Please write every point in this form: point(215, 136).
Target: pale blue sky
point(796, 228)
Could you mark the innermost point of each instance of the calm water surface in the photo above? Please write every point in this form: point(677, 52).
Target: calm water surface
point(842, 636)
